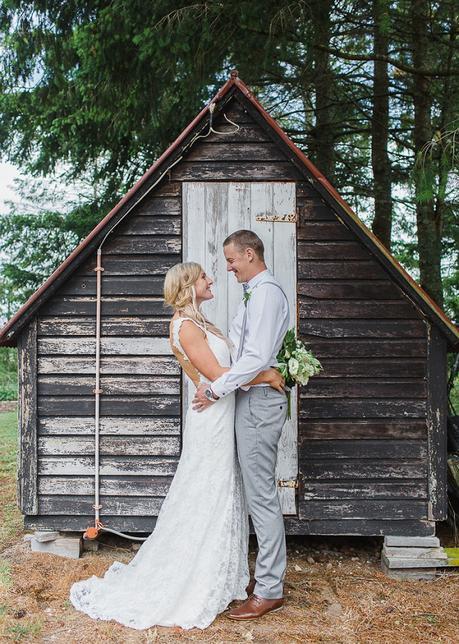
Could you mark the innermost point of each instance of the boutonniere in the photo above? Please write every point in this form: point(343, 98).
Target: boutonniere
point(246, 297)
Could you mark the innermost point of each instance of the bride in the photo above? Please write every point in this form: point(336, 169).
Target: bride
point(195, 561)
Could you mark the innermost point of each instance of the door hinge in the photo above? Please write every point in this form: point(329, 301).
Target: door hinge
point(291, 218)
point(288, 483)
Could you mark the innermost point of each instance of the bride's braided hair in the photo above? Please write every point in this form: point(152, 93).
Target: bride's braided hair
point(180, 294)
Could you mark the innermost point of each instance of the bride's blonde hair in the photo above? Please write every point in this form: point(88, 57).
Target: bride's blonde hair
point(180, 294)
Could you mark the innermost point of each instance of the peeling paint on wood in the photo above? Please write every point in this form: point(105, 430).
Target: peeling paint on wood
point(109, 346)
point(114, 485)
point(27, 417)
point(113, 426)
point(109, 445)
point(436, 424)
point(57, 385)
point(109, 365)
point(109, 405)
point(109, 465)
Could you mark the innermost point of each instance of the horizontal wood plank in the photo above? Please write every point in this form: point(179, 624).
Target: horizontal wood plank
point(160, 206)
point(110, 325)
point(59, 385)
point(109, 346)
point(126, 506)
point(234, 171)
point(325, 231)
point(365, 329)
point(151, 225)
point(246, 133)
point(380, 367)
point(339, 469)
point(66, 445)
point(109, 465)
point(416, 489)
point(131, 265)
point(142, 244)
point(367, 408)
point(342, 289)
point(358, 269)
point(109, 405)
point(361, 449)
point(111, 426)
point(365, 527)
point(363, 509)
point(142, 525)
point(238, 151)
point(360, 429)
point(321, 387)
point(310, 308)
point(139, 365)
point(359, 347)
point(167, 188)
point(109, 485)
point(115, 285)
point(122, 305)
point(311, 210)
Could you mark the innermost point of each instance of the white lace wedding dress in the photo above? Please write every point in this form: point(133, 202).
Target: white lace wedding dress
point(195, 561)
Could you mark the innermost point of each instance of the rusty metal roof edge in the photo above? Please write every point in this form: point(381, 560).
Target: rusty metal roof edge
point(7, 341)
point(437, 310)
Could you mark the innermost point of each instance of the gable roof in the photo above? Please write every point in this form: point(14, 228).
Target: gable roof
point(234, 86)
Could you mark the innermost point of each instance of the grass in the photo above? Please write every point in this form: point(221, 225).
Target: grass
point(11, 522)
point(24, 631)
point(8, 374)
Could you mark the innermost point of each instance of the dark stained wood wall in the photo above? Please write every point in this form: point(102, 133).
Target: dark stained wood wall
point(362, 432)
point(363, 435)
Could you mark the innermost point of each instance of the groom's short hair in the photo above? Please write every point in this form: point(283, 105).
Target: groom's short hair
point(243, 239)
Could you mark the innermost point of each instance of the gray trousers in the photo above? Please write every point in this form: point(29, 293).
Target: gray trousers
point(260, 416)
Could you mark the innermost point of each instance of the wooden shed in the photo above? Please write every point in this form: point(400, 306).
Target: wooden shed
point(365, 452)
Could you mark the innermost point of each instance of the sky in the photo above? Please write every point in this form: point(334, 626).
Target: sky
point(8, 172)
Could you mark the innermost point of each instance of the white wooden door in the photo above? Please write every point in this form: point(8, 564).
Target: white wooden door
point(213, 210)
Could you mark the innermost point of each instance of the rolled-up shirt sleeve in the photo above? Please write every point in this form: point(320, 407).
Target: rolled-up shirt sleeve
point(265, 315)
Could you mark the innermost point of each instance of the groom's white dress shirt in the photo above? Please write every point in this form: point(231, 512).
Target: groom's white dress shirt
point(266, 325)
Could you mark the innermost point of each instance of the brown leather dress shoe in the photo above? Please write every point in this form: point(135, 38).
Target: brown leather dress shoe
point(251, 586)
point(254, 607)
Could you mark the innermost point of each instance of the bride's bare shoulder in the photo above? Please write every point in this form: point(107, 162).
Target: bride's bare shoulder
point(191, 331)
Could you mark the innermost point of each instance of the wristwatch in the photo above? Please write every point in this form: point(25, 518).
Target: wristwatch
point(209, 394)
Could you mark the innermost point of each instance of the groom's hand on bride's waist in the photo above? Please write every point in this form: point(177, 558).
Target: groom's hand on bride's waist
point(203, 398)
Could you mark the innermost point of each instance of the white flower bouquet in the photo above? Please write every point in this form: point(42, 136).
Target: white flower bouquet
point(296, 364)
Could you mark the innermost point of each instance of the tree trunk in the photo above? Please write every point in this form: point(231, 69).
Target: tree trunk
point(428, 226)
point(382, 222)
point(323, 152)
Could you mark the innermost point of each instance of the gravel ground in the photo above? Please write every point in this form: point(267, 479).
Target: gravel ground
point(335, 592)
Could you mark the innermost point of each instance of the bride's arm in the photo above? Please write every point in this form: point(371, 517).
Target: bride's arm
point(198, 351)
point(203, 358)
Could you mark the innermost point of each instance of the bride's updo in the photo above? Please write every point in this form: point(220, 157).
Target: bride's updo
point(180, 294)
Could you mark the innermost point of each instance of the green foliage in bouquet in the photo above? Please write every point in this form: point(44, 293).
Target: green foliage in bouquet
point(296, 363)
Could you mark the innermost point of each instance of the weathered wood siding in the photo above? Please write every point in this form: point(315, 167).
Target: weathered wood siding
point(140, 424)
point(363, 434)
point(363, 445)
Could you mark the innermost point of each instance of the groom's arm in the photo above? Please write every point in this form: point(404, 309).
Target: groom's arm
point(266, 317)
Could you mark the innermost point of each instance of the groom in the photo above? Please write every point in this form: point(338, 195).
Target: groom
point(257, 331)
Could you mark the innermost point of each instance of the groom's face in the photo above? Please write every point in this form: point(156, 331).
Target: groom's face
point(239, 262)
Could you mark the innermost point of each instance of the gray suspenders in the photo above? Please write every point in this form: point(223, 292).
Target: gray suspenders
point(244, 319)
